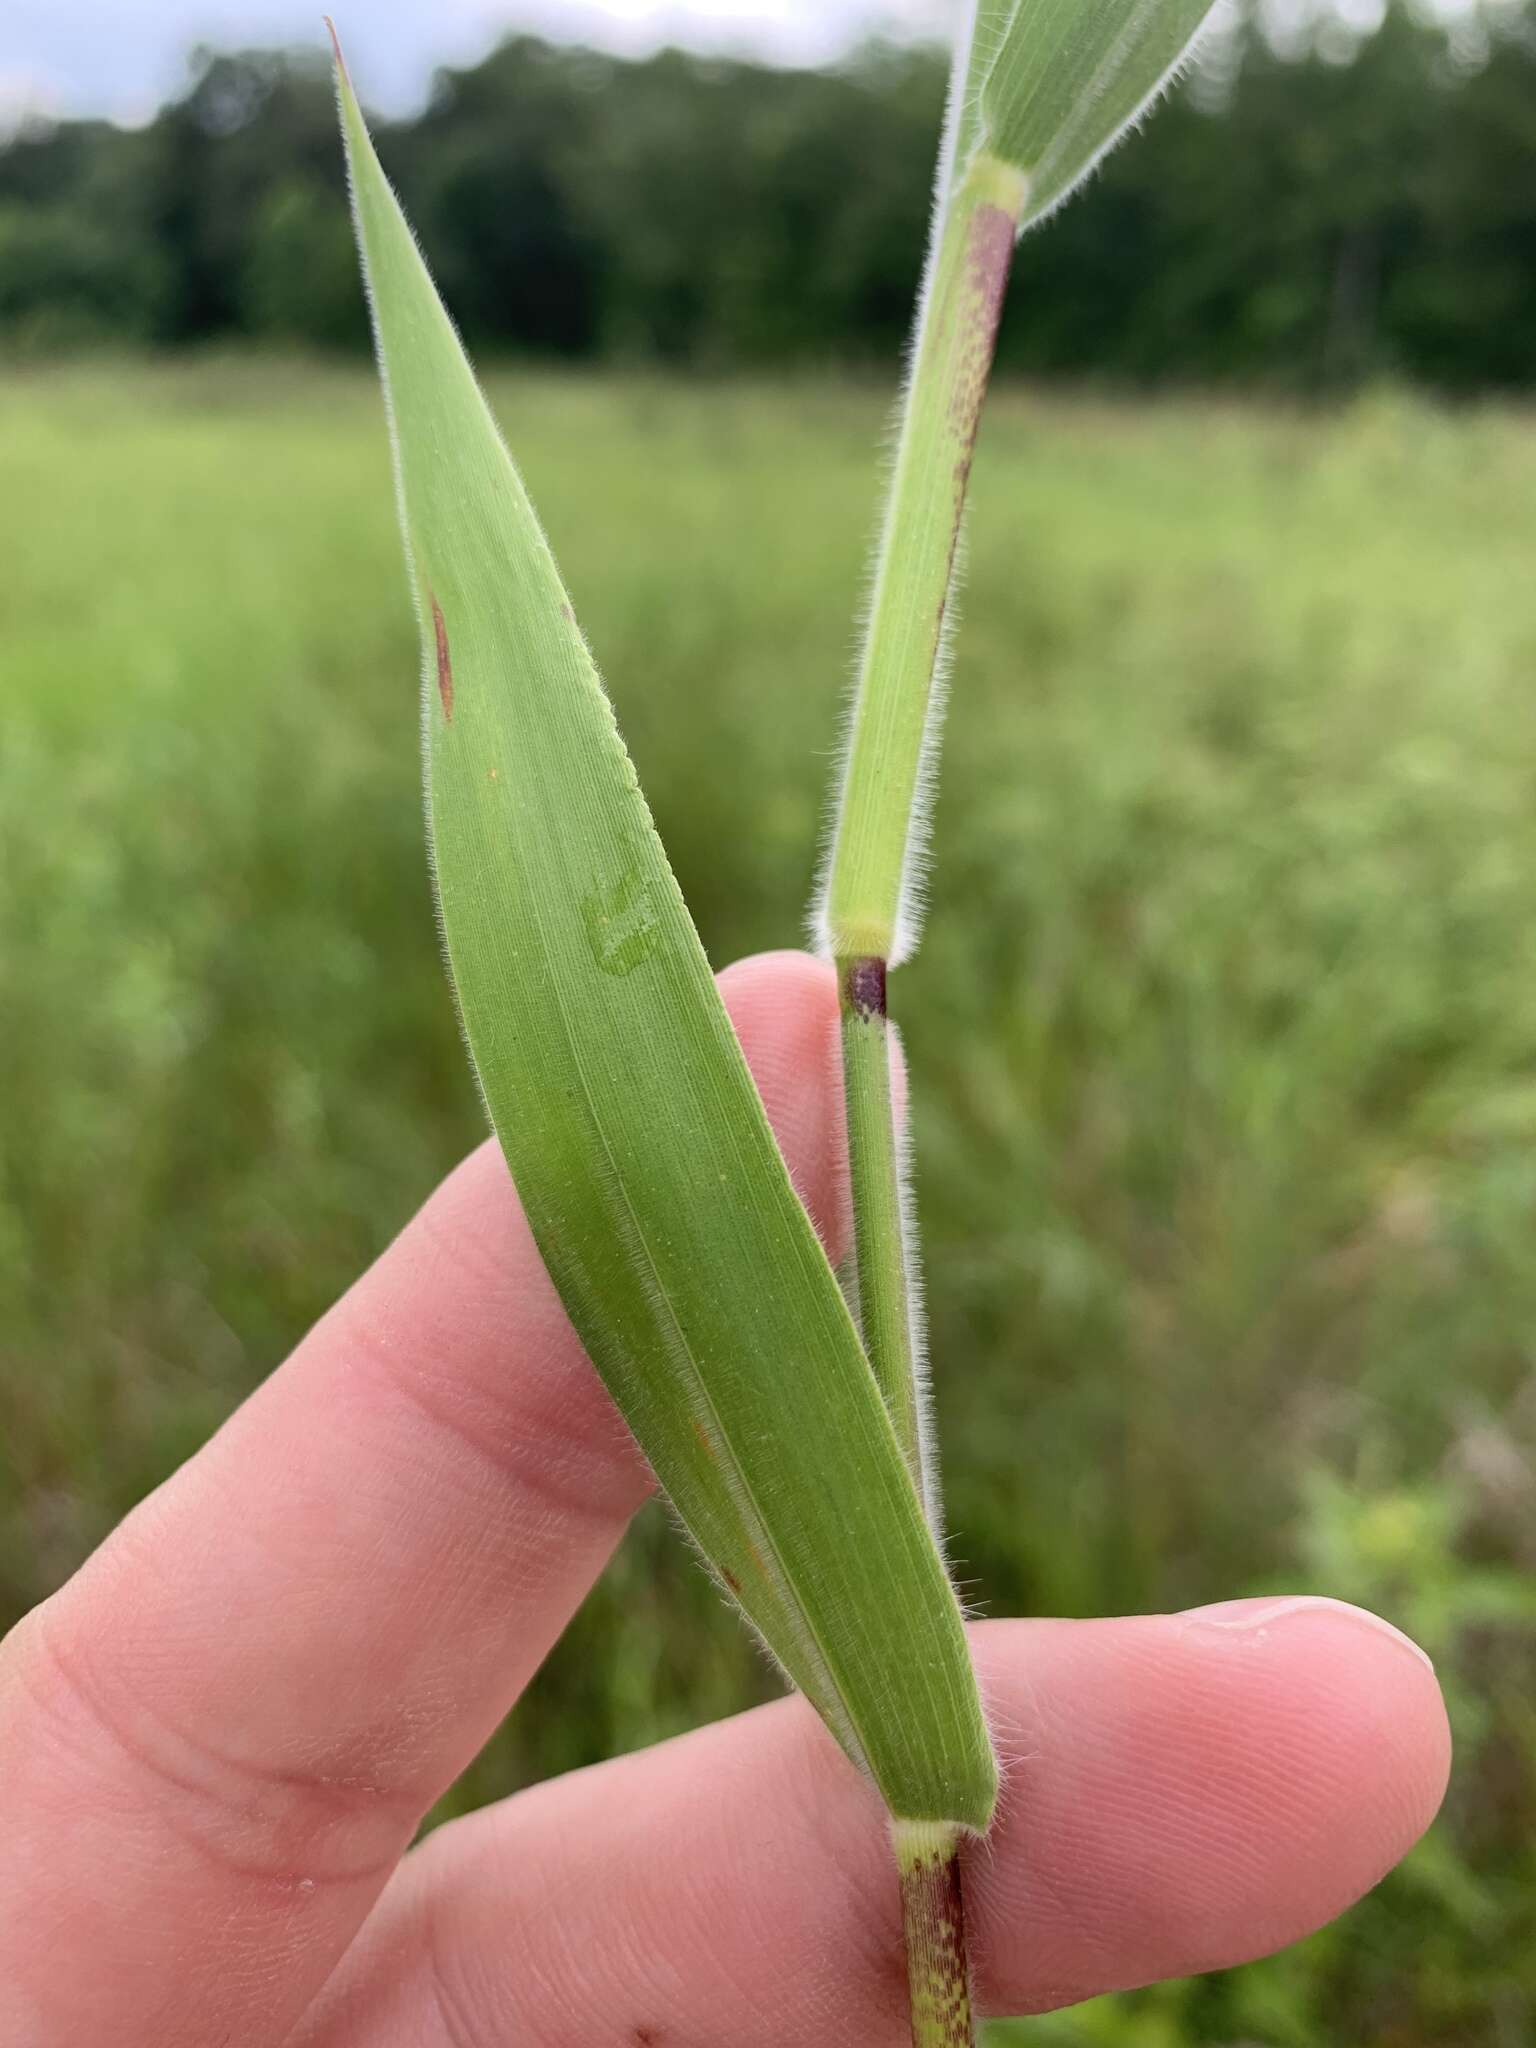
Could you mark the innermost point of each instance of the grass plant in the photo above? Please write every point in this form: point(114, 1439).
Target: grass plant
point(1220, 1023)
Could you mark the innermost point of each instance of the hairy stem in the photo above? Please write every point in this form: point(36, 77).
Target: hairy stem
point(893, 716)
point(933, 1921)
point(865, 912)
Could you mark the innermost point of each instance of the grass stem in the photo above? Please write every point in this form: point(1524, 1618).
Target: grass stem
point(883, 1283)
point(867, 911)
point(933, 1921)
point(868, 918)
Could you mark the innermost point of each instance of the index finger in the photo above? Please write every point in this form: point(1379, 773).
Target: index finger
point(220, 1737)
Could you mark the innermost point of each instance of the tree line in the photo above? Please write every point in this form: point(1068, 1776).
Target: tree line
point(1310, 215)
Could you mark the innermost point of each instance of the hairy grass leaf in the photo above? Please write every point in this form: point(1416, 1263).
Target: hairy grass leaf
point(634, 1133)
point(1050, 85)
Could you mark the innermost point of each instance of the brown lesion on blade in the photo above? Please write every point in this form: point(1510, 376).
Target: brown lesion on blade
point(444, 663)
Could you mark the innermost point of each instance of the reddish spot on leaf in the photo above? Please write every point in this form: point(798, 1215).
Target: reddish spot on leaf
point(444, 665)
point(731, 1579)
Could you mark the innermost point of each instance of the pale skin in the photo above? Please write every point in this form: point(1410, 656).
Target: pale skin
point(217, 1741)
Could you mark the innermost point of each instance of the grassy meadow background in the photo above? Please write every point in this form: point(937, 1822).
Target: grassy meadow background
point(1224, 1034)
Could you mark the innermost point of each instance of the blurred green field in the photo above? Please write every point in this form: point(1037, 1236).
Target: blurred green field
point(1224, 1032)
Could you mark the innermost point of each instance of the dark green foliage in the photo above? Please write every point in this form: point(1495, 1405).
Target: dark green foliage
point(1299, 219)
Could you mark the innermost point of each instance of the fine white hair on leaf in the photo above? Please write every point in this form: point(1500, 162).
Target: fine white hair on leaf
point(983, 40)
point(841, 1727)
point(1015, 1735)
point(1182, 64)
point(961, 107)
point(1052, 171)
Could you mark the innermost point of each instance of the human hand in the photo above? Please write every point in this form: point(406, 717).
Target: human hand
point(218, 1740)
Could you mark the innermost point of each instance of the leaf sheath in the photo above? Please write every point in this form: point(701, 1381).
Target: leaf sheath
point(868, 907)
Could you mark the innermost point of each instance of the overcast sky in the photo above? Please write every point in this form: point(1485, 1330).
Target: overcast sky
point(122, 57)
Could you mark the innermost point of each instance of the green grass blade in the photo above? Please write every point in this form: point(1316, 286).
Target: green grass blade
point(1052, 84)
point(631, 1125)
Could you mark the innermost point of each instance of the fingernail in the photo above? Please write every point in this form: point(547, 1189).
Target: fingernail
point(1255, 1618)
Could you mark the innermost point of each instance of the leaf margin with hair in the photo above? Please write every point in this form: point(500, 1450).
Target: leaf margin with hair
point(675, 1238)
point(1050, 86)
